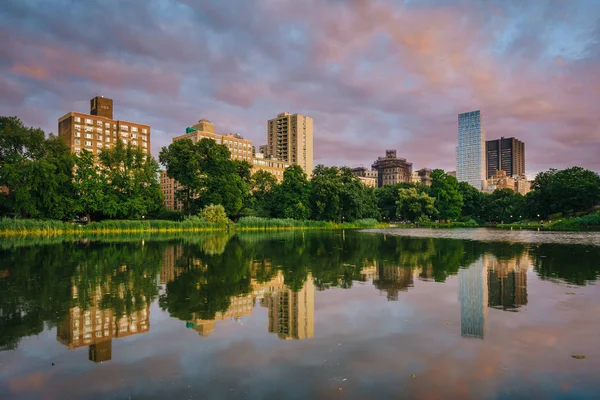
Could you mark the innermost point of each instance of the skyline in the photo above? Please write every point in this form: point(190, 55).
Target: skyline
point(530, 70)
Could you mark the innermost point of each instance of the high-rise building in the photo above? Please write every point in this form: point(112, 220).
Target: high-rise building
point(391, 169)
point(290, 139)
point(470, 152)
point(506, 154)
point(98, 130)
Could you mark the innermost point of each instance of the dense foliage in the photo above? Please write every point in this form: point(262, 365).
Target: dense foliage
point(42, 179)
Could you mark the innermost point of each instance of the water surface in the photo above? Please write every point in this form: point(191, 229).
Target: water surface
point(300, 315)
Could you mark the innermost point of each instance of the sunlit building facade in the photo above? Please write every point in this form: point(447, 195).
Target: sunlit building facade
point(473, 298)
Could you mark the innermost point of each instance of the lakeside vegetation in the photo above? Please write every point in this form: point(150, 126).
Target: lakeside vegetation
point(48, 190)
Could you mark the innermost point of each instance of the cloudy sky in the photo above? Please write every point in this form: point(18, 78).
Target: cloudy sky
point(374, 74)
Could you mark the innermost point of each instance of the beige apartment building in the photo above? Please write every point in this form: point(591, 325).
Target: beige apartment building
point(391, 169)
point(98, 130)
point(241, 149)
point(290, 139)
point(366, 176)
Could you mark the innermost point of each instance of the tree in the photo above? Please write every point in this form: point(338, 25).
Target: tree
point(261, 187)
point(90, 185)
point(444, 189)
point(223, 181)
point(566, 191)
point(292, 197)
point(387, 196)
point(473, 201)
point(504, 205)
point(412, 205)
point(325, 194)
point(35, 171)
point(182, 161)
point(132, 178)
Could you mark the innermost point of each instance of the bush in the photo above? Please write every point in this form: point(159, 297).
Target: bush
point(423, 220)
point(215, 214)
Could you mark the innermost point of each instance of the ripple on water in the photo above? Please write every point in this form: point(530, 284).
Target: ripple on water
point(496, 235)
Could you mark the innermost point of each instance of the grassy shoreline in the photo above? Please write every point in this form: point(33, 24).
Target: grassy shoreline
point(17, 227)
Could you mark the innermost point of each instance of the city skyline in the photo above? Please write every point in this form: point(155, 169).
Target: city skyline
point(530, 70)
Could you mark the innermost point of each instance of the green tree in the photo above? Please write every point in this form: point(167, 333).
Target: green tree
point(504, 205)
point(223, 181)
point(182, 161)
point(90, 186)
point(292, 197)
point(386, 197)
point(132, 177)
point(413, 205)
point(444, 189)
point(262, 186)
point(325, 194)
point(473, 201)
point(36, 170)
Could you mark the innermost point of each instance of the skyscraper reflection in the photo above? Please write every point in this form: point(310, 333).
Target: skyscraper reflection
point(473, 297)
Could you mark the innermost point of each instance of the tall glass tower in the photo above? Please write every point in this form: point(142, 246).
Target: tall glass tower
point(470, 152)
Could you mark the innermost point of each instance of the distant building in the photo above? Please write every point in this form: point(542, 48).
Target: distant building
point(470, 152)
point(422, 176)
point(507, 154)
point(239, 148)
point(98, 130)
point(366, 176)
point(451, 173)
point(290, 139)
point(263, 149)
point(522, 185)
point(507, 282)
point(271, 165)
point(391, 169)
point(500, 180)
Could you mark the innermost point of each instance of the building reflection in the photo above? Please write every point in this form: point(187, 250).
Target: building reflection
point(95, 326)
point(389, 279)
point(292, 313)
point(507, 282)
point(473, 298)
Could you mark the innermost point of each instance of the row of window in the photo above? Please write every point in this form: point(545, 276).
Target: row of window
point(107, 125)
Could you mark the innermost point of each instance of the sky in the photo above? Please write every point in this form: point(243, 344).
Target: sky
point(373, 74)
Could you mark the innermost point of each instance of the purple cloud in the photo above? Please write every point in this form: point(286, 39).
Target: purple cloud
point(372, 74)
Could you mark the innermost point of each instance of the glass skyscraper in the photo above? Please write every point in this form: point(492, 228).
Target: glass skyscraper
point(470, 152)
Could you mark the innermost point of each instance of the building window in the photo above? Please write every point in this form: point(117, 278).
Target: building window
point(89, 136)
point(77, 119)
point(107, 125)
point(107, 139)
point(77, 134)
point(124, 127)
point(144, 144)
point(99, 123)
point(77, 141)
point(134, 129)
point(77, 127)
point(89, 121)
point(99, 145)
point(88, 143)
point(133, 135)
point(99, 137)
point(77, 149)
point(144, 130)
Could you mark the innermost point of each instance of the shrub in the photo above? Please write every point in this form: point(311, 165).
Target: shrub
point(215, 214)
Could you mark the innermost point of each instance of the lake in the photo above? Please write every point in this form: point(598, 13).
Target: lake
point(372, 314)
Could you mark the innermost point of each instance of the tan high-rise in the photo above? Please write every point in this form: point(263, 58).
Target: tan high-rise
point(98, 130)
point(290, 139)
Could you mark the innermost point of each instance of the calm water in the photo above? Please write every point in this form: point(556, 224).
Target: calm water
point(332, 315)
